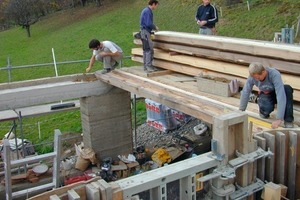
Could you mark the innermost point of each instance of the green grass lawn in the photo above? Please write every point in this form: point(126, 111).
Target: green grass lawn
point(69, 32)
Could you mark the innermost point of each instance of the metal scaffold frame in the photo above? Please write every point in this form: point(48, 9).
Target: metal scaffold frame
point(9, 164)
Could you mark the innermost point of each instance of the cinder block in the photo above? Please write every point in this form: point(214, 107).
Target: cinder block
point(214, 85)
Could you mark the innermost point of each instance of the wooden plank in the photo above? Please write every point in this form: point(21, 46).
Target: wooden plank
point(49, 93)
point(298, 167)
point(253, 47)
point(262, 143)
point(189, 103)
point(252, 166)
point(54, 197)
point(72, 195)
point(195, 71)
point(252, 108)
point(260, 122)
point(48, 80)
point(62, 190)
point(106, 189)
point(280, 157)
point(292, 162)
point(214, 65)
point(269, 171)
point(35, 111)
point(117, 191)
point(272, 191)
point(92, 193)
point(244, 59)
point(158, 73)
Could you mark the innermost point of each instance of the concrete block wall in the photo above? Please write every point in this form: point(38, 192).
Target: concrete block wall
point(106, 123)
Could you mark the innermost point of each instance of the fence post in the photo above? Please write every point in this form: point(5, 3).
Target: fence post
point(54, 62)
point(248, 5)
point(9, 69)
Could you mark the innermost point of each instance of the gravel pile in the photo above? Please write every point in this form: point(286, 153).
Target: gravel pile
point(151, 137)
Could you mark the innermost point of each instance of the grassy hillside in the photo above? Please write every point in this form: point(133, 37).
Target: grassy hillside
point(69, 32)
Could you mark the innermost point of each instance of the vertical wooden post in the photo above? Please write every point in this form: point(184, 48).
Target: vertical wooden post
point(230, 130)
point(292, 164)
point(280, 157)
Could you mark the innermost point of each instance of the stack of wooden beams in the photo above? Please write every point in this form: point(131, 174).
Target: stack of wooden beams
point(193, 54)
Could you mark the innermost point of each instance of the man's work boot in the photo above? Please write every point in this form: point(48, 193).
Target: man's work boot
point(288, 125)
point(151, 69)
point(105, 70)
point(115, 66)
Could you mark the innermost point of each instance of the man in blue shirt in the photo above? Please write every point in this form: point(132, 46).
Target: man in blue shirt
point(146, 26)
point(271, 91)
point(207, 17)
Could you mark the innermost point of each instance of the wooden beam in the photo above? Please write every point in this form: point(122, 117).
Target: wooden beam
point(233, 57)
point(195, 105)
point(14, 95)
point(280, 157)
point(213, 65)
point(191, 86)
point(195, 71)
point(253, 47)
point(292, 162)
point(270, 163)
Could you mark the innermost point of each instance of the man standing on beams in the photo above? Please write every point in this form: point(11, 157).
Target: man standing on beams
point(206, 18)
point(146, 26)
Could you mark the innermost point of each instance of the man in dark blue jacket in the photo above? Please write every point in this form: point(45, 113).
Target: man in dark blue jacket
point(146, 26)
point(207, 17)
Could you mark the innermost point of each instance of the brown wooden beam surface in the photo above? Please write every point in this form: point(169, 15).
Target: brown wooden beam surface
point(247, 46)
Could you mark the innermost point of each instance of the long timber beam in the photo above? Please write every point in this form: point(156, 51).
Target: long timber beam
point(47, 90)
point(197, 106)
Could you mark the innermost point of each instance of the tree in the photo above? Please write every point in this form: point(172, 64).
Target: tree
point(3, 23)
point(24, 12)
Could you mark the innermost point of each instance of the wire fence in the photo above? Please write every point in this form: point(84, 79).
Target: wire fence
point(52, 69)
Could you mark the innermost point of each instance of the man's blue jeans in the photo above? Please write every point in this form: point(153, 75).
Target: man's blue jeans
point(266, 103)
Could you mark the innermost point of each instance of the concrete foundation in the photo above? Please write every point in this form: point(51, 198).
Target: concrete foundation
point(106, 123)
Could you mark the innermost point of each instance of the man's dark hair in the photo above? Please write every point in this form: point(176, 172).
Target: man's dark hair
point(151, 2)
point(94, 43)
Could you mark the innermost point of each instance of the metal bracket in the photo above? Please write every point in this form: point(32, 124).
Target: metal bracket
point(214, 149)
point(243, 192)
point(223, 172)
point(228, 171)
point(243, 159)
